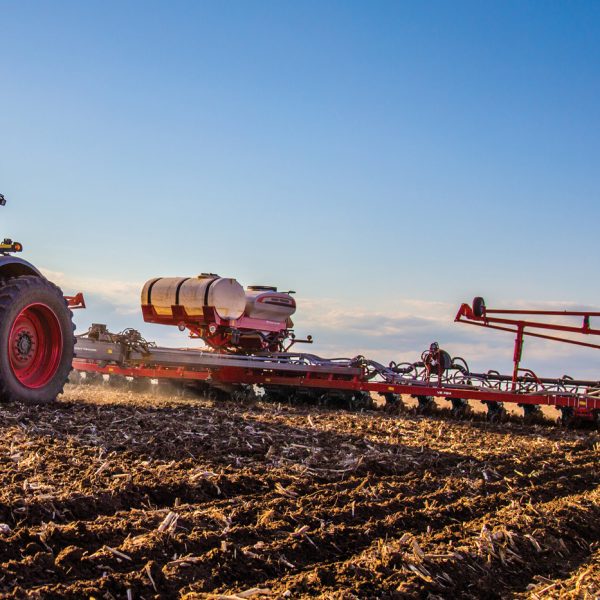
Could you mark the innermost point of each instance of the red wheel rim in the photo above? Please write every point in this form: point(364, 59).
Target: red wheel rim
point(35, 346)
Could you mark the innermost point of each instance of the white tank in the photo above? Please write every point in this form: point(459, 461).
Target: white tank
point(266, 303)
point(226, 296)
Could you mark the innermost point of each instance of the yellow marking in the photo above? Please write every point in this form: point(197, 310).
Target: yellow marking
point(390, 388)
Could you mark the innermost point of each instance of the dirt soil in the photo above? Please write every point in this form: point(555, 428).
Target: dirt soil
point(110, 494)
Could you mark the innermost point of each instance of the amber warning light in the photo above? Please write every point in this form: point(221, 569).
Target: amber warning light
point(9, 246)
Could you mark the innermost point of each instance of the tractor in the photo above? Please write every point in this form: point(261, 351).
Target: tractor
point(36, 330)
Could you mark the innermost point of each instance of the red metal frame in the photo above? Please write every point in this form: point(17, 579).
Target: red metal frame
point(584, 402)
point(77, 301)
point(466, 314)
point(200, 326)
point(583, 405)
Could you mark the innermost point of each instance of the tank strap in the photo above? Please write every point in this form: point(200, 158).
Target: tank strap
point(207, 289)
point(179, 288)
point(149, 298)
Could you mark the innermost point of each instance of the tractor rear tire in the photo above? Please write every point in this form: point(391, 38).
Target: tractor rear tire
point(36, 340)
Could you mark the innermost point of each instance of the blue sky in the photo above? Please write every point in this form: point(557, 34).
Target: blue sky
point(387, 160)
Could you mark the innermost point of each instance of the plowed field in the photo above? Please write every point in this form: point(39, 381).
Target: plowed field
point(107, 494)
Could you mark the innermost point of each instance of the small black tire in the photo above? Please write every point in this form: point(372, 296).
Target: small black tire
point(36, 340)
point(478, 306)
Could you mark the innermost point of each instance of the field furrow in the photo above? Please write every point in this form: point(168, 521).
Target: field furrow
point(112, 494)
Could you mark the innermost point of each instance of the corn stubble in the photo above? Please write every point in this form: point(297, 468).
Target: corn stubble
point(110, 494)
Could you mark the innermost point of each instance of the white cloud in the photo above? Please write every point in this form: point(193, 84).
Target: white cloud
point(402, 334)
point(124, 296)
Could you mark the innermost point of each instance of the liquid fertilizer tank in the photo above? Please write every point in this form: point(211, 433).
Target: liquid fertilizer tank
point(219, 311)
point(226, 296)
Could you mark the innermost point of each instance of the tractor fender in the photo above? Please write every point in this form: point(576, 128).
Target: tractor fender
point(11, 266)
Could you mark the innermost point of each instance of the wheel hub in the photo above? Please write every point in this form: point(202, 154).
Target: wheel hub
point(24, 345)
